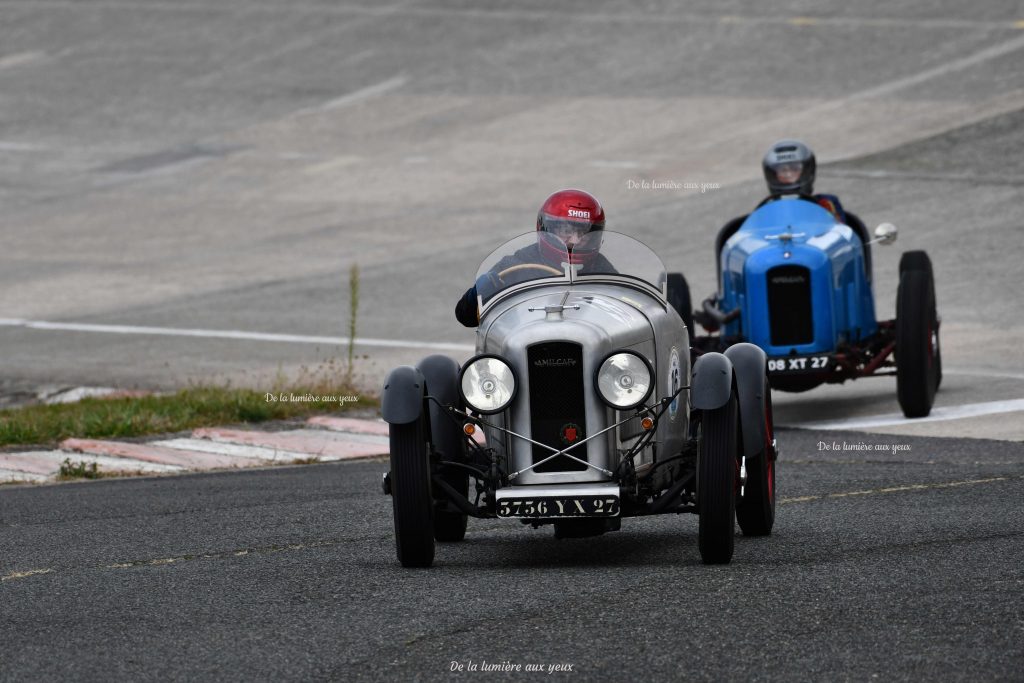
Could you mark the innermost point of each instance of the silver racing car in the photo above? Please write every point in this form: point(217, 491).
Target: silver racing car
point(580, 408)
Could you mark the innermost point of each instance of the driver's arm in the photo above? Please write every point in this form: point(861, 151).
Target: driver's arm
point(466, 311)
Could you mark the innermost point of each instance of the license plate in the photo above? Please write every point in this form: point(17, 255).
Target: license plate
point(562, 506)
point(797, 364)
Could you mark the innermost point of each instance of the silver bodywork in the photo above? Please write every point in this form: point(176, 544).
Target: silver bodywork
point(602, 314)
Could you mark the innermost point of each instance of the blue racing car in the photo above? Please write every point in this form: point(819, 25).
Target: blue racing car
point(797, 282)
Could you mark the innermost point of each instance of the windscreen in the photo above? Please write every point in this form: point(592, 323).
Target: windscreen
point(536, 256)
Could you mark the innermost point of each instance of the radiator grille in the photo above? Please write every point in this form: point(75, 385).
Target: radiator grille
point(789, 305)
point(557, 408)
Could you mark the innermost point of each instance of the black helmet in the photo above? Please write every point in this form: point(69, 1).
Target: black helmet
point(789, 168)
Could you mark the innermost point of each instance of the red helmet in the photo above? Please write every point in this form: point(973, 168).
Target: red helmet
point(569, 215)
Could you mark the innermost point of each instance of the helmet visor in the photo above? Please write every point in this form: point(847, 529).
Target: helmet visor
point(789, 172)
point(569, 231)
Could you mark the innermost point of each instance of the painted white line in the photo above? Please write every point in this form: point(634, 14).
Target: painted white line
point(76, 394)
point(997, 50)
point(914, 175)
point(937, 415)
point(24, 575)
point(8, 146)
point(895, 489)
point(360, 95)
point(980, 372)
point(603, 163)
point(21, 59)
point(784, 120)
point(231, 334)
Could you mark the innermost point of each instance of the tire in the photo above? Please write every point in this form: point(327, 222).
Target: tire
point(915, 260)
point(918, 356)
point(716, 483)
point(679, 298)
point(755, 511)
point(442, 376)
point(411, 495)
point(919, 260)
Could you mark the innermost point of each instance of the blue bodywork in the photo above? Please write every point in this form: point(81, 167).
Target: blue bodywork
point(798, 279)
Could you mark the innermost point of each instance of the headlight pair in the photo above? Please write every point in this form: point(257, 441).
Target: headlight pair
point(624, 380)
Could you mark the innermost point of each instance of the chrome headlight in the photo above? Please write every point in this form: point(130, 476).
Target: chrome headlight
point(488, 384)
point(624, 380)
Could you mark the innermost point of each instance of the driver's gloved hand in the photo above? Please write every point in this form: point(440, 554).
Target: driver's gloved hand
point(466, 311)
point(487, 285)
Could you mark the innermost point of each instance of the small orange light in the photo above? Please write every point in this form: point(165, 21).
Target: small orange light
point(647, 423)
point(469, 428)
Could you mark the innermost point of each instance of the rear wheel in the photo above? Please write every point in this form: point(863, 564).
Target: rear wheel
point(915, 260)
point(716, 483)
point(755, 511)
point(410, 494)
point(918, 357)
point(919, 260)
point(679, 297)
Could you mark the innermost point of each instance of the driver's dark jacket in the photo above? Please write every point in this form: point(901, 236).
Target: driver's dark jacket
point(466, 311)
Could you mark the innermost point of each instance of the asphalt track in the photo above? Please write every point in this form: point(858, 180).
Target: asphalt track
point(221, 166)
point(883, 566)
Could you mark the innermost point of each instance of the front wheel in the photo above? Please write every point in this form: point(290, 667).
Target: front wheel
point(716, 483)
point(410, 494)
point(756, 510)
point(918, 358)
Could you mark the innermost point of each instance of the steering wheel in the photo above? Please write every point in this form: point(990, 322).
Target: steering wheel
point(529, 266)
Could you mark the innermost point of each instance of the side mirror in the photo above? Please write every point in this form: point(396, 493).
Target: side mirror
point(886, 233)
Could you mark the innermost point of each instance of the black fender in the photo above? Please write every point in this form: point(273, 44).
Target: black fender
point(442, 376)
point(401, 402)
point(712, 381)
point(749, 363)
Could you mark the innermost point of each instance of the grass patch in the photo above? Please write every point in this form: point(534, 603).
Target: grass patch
point(78, 470)
point(202, 406)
